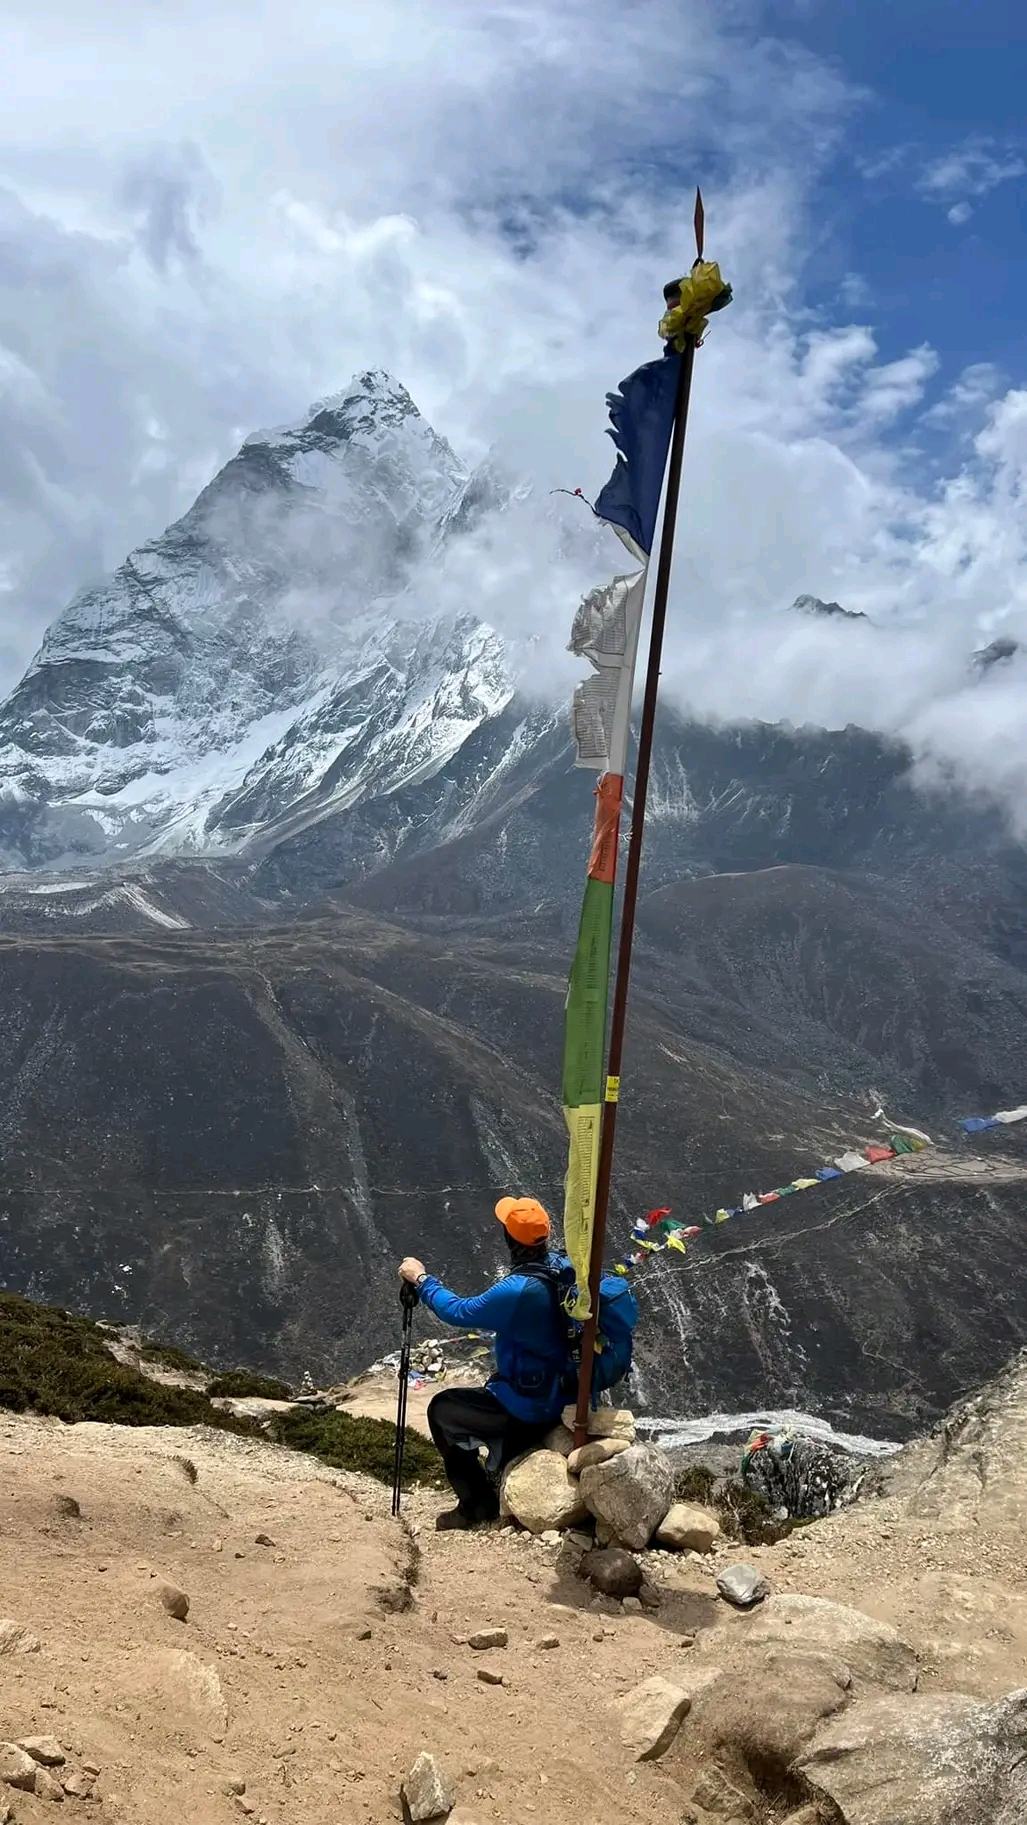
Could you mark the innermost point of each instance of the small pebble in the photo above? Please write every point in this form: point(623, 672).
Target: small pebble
point(488, 1678)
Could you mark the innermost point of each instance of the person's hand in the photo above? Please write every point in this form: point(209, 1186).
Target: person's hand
point(411, 1269)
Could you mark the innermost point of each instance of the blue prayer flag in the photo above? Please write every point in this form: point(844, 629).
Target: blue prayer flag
point(642, 415)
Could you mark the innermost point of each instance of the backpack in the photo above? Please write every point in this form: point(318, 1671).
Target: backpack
point(615, 1331)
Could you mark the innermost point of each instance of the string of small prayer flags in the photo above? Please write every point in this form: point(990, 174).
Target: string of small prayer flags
point(976, 1124)
point(661, 1230)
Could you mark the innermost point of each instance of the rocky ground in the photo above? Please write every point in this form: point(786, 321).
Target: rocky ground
point(326, 1646)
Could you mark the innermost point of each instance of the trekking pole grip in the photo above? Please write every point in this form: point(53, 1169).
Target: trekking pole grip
point(408, 1295)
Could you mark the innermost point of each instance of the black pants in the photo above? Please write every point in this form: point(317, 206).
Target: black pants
point(460, 1421)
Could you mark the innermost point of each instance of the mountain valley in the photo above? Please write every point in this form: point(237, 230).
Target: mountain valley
point(293, 871)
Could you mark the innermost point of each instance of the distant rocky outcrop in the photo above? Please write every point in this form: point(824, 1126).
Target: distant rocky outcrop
point(812, 605)
point(995, 652)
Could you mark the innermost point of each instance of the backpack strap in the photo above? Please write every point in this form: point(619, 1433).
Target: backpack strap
point(552, 1278)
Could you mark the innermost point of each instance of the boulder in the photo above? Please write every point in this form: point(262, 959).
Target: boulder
point(426, 1793)
point(742, 1585)
point(43, 1749)
point(650, 1715)
point(595, 1452)
point(17, 1767)
point(770, 1708)
point(559, 1440)
point(924, 1759)
point(630, 1493)
point(605, 1422)
point(79, 1786)
point(874, 1650)
point(688, 1528)
point(612, 1571)
point(183, 1684)
point(15, 1638)
point(540, 1493)
point(45, 1787)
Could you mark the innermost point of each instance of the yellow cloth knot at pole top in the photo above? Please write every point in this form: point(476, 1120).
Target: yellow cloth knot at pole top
point(702, 293)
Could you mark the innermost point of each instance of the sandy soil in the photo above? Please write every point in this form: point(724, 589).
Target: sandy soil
point(274, 1680)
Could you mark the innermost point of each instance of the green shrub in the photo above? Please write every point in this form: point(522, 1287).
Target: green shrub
point(696, 1483)
point(54, 1363)
point(365, 1445)
point(747, 1515)
point(170, 1358)
point(244, 1384)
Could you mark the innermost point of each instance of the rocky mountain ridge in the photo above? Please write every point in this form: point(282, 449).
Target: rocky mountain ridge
point(249, 653)
point(237, 1082)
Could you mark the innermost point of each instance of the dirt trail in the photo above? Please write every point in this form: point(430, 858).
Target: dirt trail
point(274, 1680)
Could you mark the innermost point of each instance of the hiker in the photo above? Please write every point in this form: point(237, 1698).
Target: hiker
point(524, 1398)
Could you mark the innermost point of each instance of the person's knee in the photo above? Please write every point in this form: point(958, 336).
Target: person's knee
point(438, 1408)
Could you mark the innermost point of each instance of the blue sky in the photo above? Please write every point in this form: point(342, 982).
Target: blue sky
point(210, 217)
point(942, 77)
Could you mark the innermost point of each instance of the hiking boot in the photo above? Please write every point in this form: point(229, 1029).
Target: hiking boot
point(454, 1520)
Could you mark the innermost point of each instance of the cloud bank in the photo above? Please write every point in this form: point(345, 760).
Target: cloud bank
point(210, 217)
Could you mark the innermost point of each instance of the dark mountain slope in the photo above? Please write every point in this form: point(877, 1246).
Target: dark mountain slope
point(231, 1139)
point(844, 980)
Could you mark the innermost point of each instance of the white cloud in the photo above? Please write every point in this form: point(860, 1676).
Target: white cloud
point(971, 169)
point(212, 218)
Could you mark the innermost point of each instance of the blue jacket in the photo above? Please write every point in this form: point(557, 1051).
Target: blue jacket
point(531, 1341)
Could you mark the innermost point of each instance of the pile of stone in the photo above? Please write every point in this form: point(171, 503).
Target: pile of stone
point(39, 1765)
point(626, 1488)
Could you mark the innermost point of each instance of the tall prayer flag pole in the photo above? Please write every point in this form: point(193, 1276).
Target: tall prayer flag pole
point(646, 415)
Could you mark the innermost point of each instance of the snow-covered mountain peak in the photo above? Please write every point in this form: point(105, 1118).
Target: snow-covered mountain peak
point(372, 400)
point(241, 645)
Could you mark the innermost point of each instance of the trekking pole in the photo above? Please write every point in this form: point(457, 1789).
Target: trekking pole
point(408, 1300)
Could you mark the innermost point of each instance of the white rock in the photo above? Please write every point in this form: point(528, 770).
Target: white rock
point(650, 1715)
point(45, 1787)
point(79, 1786)
point(16, 1639)
point(595, 1452)
point(43, 1749)
point(742, 1585)
point(688, 1528)
point(540, 1493)
point(16, 1767)
point(426, 1794)
point(605, 1422)
point(190, 1684)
